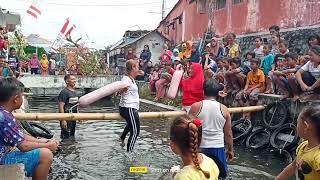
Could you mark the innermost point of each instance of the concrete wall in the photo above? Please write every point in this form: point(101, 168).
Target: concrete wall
point(249, 16)
point(155, 42)
point(297, 38)
point(52, 82)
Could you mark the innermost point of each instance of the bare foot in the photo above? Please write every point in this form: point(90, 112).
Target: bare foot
point(235, 91)
point(222, 94)
point(284, 97)
point(122, 144)
point(228, 91)
point(295, 98)
point(269, 91)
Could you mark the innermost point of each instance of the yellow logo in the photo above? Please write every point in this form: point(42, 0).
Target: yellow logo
point(138, 169)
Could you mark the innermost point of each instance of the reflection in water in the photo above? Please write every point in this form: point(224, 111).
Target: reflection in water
point(96, 154)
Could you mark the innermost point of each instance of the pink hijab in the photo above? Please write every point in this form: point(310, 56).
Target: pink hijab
point(215, 49)
point(34, 61)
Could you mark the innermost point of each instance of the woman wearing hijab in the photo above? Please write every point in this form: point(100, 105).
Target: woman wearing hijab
point(214, 48)
point(166, 74)
point(192, 86)
point(166, 54)
point(44, 63)
point(131, 54)
point(34, 64)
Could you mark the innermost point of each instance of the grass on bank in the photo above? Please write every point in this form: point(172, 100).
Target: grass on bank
point(145, 93)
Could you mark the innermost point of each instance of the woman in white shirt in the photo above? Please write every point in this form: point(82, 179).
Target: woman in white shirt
point(129, 104)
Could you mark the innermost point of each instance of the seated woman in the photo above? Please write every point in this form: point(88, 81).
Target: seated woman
point(192, 86)
point(165, 78)
point(153, 78)
point(307, 79)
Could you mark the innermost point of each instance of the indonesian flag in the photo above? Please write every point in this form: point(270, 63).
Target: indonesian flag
point(34, 10)
point(64, 33)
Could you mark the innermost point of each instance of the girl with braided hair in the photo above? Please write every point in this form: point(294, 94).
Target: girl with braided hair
point(185, 138)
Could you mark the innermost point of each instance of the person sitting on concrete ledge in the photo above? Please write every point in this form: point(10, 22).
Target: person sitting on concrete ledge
point(254, 86)
point(281, 77)
point(35, 154)
point(307, 79)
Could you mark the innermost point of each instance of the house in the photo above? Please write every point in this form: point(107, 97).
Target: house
point(9, 20)
point(190, 19)
point(153, 38)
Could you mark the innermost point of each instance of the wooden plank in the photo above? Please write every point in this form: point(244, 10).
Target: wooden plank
point(12, 172)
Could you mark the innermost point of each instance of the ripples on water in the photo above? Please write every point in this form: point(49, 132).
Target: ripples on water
point(95, 153)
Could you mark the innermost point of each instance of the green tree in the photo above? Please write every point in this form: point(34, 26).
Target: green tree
point(19, 42)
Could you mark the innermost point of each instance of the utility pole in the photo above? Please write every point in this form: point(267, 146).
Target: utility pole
point(163, 9)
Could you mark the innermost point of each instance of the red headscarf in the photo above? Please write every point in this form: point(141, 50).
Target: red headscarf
point(192, 87)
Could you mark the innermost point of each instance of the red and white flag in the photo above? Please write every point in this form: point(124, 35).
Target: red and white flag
point(64, 33)
point(34, 10)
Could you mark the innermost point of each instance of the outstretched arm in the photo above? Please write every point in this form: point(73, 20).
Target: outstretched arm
point(287, 172)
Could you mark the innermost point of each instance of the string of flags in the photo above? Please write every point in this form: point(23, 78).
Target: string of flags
point(64, 33)
point(35, 11)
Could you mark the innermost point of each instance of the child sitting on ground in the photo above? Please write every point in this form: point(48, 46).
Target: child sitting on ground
point(235, 77)
point(266, 65)
point(248, 57)
point(278, 59)
point(219, 74)
point(185, 139)
point(34, 153)
point(307, 162)
point(308, 76)
point(5, 70)
point(281, 77)
point(254, 85)
point(283, 50)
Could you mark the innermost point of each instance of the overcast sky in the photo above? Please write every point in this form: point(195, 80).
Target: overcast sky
point(104, 21)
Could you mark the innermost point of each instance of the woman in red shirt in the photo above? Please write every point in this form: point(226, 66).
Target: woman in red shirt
point(192, 86)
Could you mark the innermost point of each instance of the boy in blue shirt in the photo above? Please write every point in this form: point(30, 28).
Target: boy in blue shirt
point(5, 71)
point(266, 65)
point(35, 154)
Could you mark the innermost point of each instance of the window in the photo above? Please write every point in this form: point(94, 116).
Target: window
point(201, 6)
point(236, 1)
point(221, 4)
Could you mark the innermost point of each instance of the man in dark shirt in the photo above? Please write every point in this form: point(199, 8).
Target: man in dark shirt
point(68, 103)
point(13, 62)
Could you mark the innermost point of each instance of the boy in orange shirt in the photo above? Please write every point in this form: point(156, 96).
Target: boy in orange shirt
point(254, 85)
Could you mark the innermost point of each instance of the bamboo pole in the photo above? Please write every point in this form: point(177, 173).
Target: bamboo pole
point(116, 116)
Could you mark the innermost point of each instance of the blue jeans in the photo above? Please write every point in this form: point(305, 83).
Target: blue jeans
point(30, 160)
point(218, 155)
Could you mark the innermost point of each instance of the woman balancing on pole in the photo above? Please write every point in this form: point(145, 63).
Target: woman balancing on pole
point(129, 104)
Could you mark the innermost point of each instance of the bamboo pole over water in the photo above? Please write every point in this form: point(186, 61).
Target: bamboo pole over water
point(116, 116)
